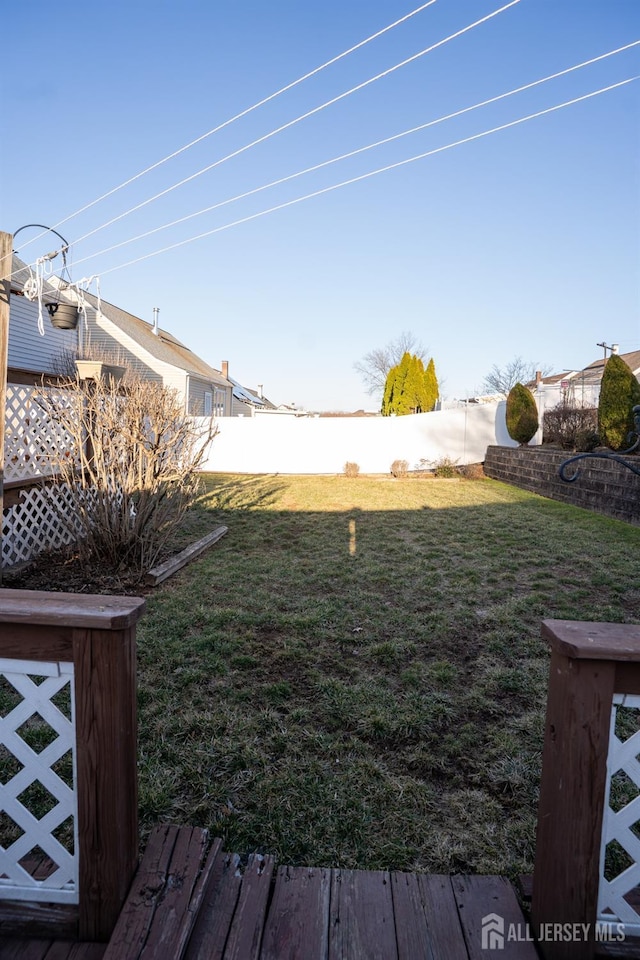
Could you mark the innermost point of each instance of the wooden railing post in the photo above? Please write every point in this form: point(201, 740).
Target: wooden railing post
point(589, 663)
point(97, 635)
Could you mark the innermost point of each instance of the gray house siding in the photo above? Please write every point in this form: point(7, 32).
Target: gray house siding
point(28, 351)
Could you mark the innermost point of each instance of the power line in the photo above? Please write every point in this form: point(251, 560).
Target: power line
point(244, 113)
point(353, 153)
point(291, 123)
point(373, 173)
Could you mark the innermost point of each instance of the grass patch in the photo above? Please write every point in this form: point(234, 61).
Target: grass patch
point(354, 675)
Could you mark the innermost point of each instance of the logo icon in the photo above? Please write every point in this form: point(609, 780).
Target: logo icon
point(493, 932)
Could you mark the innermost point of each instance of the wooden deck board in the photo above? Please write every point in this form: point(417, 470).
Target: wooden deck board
point(426, 918)
point(245, 935)
point(298, 920)
point(478, 897)
point(14, 949)
point(19, 949)
point(185, 904)
point(211, 929)
point(361, 922)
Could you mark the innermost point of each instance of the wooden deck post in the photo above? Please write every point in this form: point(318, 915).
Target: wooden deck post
point(589, 663)
point(97, 635)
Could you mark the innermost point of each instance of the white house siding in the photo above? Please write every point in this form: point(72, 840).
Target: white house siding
point(27, 349)
point(272, 444)
point(239, 408)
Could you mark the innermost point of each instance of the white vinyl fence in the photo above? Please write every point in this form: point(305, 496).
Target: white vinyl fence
point(292, 444)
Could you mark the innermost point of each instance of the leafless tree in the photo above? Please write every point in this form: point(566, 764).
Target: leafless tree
point(375, 365)
point(502, 379)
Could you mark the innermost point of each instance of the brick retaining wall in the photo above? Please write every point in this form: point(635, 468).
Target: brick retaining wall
point(603, 485)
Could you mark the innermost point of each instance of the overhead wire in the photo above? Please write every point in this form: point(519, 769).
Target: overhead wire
point(373, 173)
point(298, 119)
point(243, 113)
point(359, 150)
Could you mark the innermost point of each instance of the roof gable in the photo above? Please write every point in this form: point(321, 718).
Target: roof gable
point(161, 345)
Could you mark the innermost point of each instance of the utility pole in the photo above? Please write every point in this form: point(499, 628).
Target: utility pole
point(6, 262)
point(605, 346)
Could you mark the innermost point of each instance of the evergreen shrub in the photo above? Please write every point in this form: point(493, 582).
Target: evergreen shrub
point(619, 393)
point(522, 414)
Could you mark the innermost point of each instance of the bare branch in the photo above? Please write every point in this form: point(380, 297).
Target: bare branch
point(502, 379)
point(375, 365)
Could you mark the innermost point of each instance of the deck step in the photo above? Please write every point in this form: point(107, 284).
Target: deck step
point(185, 904)
point(165, 897)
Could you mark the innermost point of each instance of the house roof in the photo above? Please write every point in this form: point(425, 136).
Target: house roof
point(163, 345)
point(593, 372)
point(596, 369)
point(246, 395)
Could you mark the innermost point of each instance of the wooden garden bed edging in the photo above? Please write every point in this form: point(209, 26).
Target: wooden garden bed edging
point(164, 570)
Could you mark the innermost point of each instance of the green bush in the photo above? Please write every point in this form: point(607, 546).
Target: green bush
point(522, 414)
point(619, 393)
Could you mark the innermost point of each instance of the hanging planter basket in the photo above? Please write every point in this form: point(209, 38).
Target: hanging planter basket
point(64, 316)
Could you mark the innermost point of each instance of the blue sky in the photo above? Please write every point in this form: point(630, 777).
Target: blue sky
point(525, 242)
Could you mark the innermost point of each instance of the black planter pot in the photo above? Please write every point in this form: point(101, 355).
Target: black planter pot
point(64, 316)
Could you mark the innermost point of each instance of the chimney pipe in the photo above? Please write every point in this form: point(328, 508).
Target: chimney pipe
point(156, 311)
point(615, 347)
point(538, 377)
point(260, 391)
point(225, 369)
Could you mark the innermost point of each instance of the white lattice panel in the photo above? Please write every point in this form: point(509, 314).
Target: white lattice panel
point(620, 846)
point(42, 520)
point(31, 436)
point(34, 800)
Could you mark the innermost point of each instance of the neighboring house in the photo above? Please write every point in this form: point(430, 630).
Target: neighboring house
point(114, 334)
point(31, 355)
point(246, 402)
point(109, 333)
point(578, 387)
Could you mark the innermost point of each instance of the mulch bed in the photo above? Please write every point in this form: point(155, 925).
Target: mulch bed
point(64, 571)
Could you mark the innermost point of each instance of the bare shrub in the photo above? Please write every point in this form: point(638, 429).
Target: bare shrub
point(472, 471)
point(131, 465)
point(571, 427)
point(399, 469)
point(351, 469)
point(446, 468)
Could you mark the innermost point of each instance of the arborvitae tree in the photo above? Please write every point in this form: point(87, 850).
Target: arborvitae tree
point(386, 409)
point(432, 390)
point(393, 400)
point(409, 389)
point(522, 414)
point(619, 393)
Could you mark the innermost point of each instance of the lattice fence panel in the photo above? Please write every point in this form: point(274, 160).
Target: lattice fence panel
point(37, 523)
point(31, 436)
point(619, 892)
point(38, 796)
